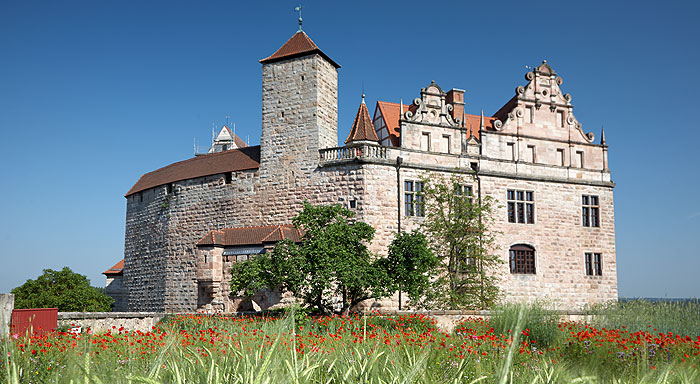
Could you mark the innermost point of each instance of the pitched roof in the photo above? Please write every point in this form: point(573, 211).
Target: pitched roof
point(298, 45)
point(204, 165)
point(237, 140)
point(116, 270)
point(250, 235)
point(391, 112)
point(362, 127)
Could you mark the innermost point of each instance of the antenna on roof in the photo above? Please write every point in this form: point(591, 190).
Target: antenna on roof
point(213, 134)
point(194, 140)
point(298, 9)
point(227, 120)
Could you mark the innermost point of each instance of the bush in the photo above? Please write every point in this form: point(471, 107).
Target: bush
point(540, 325)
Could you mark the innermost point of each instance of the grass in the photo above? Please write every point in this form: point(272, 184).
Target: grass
point(682, 318)
point(519, 344)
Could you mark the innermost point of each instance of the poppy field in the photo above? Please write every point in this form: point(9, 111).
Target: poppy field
point(362, 348)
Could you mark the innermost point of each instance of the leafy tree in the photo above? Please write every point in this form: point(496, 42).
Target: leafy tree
point(410, 264)
point(458, 226)
point(66, 290)
point(331, 261)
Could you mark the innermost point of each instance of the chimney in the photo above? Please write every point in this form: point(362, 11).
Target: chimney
point(456, 98)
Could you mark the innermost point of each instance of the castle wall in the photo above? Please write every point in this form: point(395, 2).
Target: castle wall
point(162, 229)
point(116, 289)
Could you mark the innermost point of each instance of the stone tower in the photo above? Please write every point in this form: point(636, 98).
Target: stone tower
point(299, 108)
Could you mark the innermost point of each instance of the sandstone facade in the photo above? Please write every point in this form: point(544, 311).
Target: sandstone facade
point(534, 144)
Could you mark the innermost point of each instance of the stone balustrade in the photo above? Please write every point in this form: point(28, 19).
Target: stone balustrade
point(352, 152)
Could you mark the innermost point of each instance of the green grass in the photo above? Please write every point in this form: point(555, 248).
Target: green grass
point(682, 318)
point(359, 349)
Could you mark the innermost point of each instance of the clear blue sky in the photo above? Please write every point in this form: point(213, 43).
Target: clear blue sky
point(93, 94)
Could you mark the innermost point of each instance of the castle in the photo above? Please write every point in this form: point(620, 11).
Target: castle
point(188, 222)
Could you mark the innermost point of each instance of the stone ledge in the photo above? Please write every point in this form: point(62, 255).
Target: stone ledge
point(108, 315)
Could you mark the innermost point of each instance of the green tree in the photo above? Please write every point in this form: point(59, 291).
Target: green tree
point(332, 261)
point(66, 290)
point(459, 228)
point(410, 264)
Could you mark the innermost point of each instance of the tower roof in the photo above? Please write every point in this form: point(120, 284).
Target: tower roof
point(300, 44)
point(362, 128)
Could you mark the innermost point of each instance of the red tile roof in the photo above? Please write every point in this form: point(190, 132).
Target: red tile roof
point(251, 235)
point(204, 165)
point(116, 270)
point(362, 128)
point(298, 45)
point(391, 112)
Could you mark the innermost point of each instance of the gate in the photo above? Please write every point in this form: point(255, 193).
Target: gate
point(38, 321)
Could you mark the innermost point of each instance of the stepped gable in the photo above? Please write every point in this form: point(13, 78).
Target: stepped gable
point(116, 270)
point(300, 44)
point(204, 165)
point(362, 128)
point(250, 235)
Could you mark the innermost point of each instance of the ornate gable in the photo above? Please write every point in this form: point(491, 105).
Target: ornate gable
point(431, 108)
point(541, 109)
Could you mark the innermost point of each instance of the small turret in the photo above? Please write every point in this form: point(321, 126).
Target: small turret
point(362, 128)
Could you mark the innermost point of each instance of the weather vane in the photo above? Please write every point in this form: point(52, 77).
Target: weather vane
point(298, 9)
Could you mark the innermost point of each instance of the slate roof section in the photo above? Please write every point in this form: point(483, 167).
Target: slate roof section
point(116, 270)
point(205, 165)
point(300, 44)
point(250, 235)
point(362, 127)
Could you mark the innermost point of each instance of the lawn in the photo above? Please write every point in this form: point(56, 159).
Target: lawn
point(518, 345)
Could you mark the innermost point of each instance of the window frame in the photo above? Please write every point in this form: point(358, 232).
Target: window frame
point(593, 263)
point(522, 259)
point(590, 211)
point(520, 206)
point(414, 200)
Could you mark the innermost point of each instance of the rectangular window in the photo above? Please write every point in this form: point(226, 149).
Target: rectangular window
point(522, 259)
point(521, 206)
point(560, 156)
point(560, 119)
point(511, 151)
point(425, 142)
point(532, 153)
point(353, 204)
point(528, 115)
point(594, 264)
point(414, 201)
point(590, 211)
point(446, 143)
point(579, 157)
point(168, 188)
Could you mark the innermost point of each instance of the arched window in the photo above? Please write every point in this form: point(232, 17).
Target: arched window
point(522, 259)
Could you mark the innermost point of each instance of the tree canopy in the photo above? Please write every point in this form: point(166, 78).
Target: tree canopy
point(332, 262)
point(459, 228)
point(410, 265)
point(66, 290)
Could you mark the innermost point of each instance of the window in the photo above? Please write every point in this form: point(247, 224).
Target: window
point(521, 207)
point(465, 260)
point(594, 264)
point(228, 177)
point(522, 259)
point(560, 119)
point(168, 188)
point(413, 198)
point(353, 204)
point(528, 115)
point(579, 157)
point(511, 151)
point(560, 156)
point(462, 193)
point(590, 211)
point(533, 153)
point(425, 142)
point(446, 143)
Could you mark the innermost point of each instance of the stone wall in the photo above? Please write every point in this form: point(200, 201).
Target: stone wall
point(7, 304)
point(116, 289)
point(99, 322)
point(162, 229)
